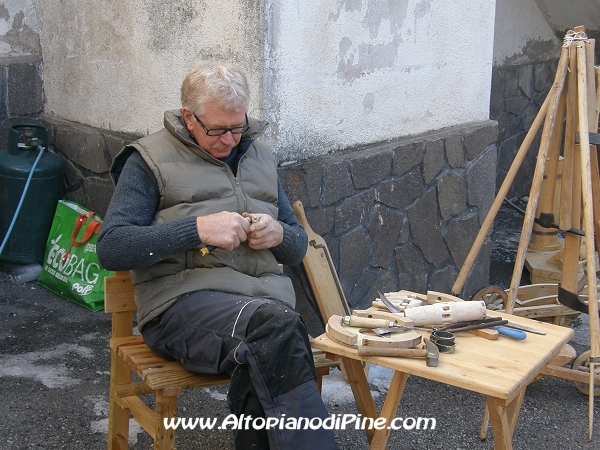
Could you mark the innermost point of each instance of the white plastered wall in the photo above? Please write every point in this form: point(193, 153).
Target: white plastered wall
point(18, 28)
point(119, 65)
point(328, 74)
point(355, 72)
point(523, 34)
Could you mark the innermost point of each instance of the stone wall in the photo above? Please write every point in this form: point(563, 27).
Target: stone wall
point(516, 97)
point(88, 153)
point(398, 215)
point(402, 215)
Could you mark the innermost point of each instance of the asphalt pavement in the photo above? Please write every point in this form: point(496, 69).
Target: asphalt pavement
point(54, 378)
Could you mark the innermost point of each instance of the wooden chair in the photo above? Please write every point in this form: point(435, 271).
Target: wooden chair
point(167, 379)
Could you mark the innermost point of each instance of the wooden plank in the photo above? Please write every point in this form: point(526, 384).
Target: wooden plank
point(117, 342)
point(118, 416)
point(530, 291)
point(541, 311)
point(141, 413)
point(133, 389)
point(323, 278)
point(357, 379)
point(166, 407)
point(118, 293)
point(570, 374)
point(184, 380)
point(389, 409)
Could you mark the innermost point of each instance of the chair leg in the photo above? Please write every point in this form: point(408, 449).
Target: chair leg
point(118, 427)
point(321, 372)
point(118, 418)
point(166, 408)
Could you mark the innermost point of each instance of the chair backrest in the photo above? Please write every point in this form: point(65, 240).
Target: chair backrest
point(321, 273)
point(118, 301)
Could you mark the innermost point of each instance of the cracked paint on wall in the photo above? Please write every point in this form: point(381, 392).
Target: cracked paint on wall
point(360, 58)
point(18, 29)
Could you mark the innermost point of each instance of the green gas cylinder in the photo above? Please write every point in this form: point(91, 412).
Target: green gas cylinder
point(26, 243)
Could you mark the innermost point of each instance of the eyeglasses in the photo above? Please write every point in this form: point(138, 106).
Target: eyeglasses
point(222, 131)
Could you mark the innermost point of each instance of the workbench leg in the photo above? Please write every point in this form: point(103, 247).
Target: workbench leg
point(357, 379)
point(389, 410)
point(504, 419)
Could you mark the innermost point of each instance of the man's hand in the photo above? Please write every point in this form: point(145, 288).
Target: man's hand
point(264, 232)
point(225, 230)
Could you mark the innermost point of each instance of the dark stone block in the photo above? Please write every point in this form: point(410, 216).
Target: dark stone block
point(511, 78)
point(508, 151)
point(508, 124)
point(369, 169)
point(337, 183)
point(115, 143)
point(73, 174)
point(402, 192)
point(404, 234)
point(480, 273)
point(383, 230)
point(312, 180)
point(528, 116)
point(406, 157)
point(426, 230)
point(83, 145)
point(516, 105)
point(293, 186)
point(477, 140)
point(353, 211)
point(97, 193)
point(76, 196)
point(367, 286)
point(497, 94)
point(460, 236)
point(544, 74)
point(443, 279)
point(526, 80)
point(321, 220)
point(355, 254)
point(452, 194)
point(412, 270)
point(481, 192)
point(454, 151)
point(433, 159)
point(25, 94)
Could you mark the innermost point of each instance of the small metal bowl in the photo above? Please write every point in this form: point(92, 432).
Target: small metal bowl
point(441, 334)
point(445, 345)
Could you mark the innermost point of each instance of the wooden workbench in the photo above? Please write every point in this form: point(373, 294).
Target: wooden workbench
point(499, 369)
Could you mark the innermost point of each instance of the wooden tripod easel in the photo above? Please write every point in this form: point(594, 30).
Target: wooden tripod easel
point(573, 96)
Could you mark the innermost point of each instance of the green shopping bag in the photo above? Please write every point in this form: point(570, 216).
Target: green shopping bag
point(71, 268)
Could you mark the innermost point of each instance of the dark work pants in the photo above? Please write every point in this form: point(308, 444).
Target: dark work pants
point(263, 345)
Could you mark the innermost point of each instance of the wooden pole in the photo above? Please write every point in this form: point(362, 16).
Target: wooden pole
point(588, 221)
point(554, 95)
point(542, 239)
point(571, 254)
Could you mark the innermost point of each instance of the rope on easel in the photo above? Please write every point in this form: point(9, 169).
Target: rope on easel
point(573, 36)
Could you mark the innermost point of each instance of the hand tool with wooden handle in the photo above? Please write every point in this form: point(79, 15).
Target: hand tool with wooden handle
point(365, 322)
point(431, 352)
